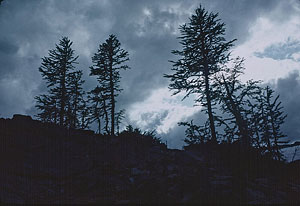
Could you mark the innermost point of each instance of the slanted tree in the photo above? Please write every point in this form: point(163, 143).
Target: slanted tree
point(56, 69)
point(254, 120)
point(234, 96)
point(108, 61)
point(204, 50)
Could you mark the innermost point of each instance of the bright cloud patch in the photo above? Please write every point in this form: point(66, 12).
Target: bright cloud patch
point(272, 50)
point(161, 111)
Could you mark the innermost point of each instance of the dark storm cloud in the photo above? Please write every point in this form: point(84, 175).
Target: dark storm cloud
point(8, 48)
point(147, 29)
point(8, 58)
point(280, 51)
point(152, 48)
point(289, 90)
point(239, 15)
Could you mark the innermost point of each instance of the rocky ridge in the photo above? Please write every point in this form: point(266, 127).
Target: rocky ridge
point(43, 163)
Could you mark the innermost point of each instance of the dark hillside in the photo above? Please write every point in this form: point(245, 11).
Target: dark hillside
point(44, 163)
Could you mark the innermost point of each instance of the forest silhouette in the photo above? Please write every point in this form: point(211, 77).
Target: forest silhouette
point(252, 115)
point(235, 156)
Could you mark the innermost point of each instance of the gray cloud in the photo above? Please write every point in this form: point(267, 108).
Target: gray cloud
point(289, 90)
point(281, 51)
point(240, 15)
point(8, 52)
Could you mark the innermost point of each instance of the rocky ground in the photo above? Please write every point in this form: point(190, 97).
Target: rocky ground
point(42, 163)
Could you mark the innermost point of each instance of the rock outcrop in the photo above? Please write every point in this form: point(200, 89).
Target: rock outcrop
point(44, 163)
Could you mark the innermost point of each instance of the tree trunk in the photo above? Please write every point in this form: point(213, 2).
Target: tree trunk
point(99, 126)
point(106, 121)
point(112, 96)
point(75, 107)
point(105, 114)
point(63, 98)
point(207, 92)
point(209, 108)
point(55, 112)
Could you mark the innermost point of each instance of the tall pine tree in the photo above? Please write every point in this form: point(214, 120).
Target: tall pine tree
point(57, 69)
point(108, 61)
point(204, 49)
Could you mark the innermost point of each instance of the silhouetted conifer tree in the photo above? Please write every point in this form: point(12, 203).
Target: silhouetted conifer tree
point(270, 119)
point(84, 115)
point(108, 61)
point(196, 134)
point(204, 50)
point(98, 108)
point(76, 104)
point(48, 106)
point(57, 69)
point(119, 117)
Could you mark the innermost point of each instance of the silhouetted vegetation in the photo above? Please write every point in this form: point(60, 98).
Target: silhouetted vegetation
point(98, 109)
point(108, 61)
point(234, 96)
point(150, 135)
point(233, 157)
point(64, 101)
point(270, 118)
point(204, 50)
point(77, 111)
point(250, 115)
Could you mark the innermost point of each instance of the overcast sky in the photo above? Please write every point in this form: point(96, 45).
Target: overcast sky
point(268, 33)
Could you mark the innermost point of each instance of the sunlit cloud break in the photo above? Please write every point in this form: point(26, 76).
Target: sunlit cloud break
point(161, 111)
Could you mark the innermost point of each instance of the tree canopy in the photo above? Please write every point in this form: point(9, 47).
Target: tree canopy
point(65, 94)
point(108, 61)
point(204, 49)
